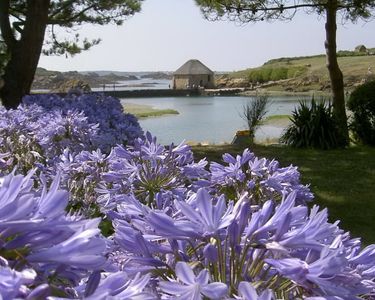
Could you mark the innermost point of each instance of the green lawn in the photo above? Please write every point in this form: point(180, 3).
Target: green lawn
point(341, 180)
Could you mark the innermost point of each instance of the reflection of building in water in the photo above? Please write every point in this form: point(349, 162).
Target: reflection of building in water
point(193, 74)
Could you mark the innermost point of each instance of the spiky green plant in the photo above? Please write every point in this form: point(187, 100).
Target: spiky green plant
point(313, 126)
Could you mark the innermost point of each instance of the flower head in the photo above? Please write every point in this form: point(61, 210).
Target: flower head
point(189, 286)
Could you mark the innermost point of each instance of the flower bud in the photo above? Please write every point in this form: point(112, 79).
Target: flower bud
point(210, 253)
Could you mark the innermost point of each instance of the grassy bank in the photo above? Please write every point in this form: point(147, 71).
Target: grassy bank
point(146, 111)
point(306, 75)
point(341, 180)
point(277, 120)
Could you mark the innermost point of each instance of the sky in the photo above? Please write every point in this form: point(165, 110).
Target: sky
point(167, 33)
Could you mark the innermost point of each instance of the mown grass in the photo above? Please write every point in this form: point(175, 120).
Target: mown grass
point(342, 180)
point(146, 111)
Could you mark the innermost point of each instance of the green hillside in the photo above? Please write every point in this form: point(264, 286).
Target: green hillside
point(309, 73)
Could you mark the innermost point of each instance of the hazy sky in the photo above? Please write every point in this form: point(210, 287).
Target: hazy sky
point(168, 32)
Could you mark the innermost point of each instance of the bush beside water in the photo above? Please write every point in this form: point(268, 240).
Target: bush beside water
point(362, 104)
point(313, 126)
point(175, 227)
point(266, 74)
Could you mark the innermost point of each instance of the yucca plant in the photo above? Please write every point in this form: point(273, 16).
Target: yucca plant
point(313, 126)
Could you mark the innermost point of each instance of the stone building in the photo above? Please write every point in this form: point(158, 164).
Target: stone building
point(360, 49)
point(193, 74)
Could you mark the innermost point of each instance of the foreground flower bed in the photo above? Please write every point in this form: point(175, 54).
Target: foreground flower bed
point(144, 221)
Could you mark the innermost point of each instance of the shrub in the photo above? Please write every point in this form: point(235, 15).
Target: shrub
point(254, 112)
point(265, 74)
point(313, 126)
point(362, 104)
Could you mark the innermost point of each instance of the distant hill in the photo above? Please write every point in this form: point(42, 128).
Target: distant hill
point(53, 80)
point(148, 74)
point(301, 74)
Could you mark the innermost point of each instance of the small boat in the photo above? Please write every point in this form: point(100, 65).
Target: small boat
point(241, 137)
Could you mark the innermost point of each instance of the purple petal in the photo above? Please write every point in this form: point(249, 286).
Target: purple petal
point(185, 273)
point(215, 290)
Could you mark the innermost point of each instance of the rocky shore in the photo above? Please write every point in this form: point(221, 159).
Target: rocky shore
point(290, 86)
point(302, 74)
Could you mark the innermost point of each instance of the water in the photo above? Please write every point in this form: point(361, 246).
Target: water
point(208, 119)
point(140, 84)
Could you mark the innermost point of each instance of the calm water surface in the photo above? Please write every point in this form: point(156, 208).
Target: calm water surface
point(208, 119)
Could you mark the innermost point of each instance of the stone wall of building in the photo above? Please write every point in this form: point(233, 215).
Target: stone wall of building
point(181, 82)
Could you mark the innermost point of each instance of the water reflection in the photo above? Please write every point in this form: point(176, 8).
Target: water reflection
point(209, 119)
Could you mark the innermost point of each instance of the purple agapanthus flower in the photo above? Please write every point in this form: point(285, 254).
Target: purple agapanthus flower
point(116, 285)
point(189, 286)
point(13, 284)
point(5, 160)
point(174, 229)
point(35, 223)
point(83, 249)
point(247, 292)
point(328, 275)
point(249, 173)
point(200, 217)
point(207, 217)
point(114, 126)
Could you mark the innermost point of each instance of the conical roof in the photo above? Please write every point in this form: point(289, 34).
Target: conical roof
point(193, 67)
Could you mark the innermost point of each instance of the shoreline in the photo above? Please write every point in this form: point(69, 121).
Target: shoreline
point(221, 92)
point(284, 93)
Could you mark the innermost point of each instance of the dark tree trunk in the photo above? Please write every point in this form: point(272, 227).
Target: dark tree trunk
point(335, 74)
point(24, 54)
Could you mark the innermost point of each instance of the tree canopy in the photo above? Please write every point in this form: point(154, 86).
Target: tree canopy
point(64, 14)
point(264, 10)
point(29, 28)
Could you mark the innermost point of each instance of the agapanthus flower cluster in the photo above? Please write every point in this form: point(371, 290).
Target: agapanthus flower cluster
point(200, 233)
point(40, 242)
point(202, 246)
point(44, 126)
point(114, 125)
point(264, 178)
point(170, 227)
point(157, 175)
point(34, 136)
point(152, 173)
